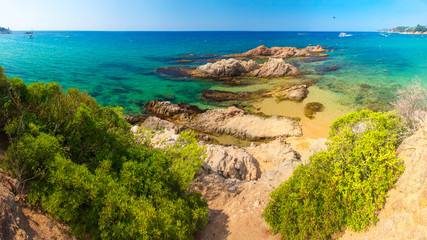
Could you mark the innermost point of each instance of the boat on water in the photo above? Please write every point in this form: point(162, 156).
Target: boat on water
point(29, 33)
point(344, 35)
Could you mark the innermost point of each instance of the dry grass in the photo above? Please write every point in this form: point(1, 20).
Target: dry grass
point(411, 104)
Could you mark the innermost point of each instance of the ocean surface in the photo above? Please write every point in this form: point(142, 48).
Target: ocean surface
point(119, 68)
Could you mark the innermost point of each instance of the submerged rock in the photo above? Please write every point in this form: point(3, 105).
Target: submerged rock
point(219, 96)
point(312, 108)
point(185, 61)
point(231, 121)
point(176, 72)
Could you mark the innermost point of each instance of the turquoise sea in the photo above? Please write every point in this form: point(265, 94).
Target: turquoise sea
point(119, 68)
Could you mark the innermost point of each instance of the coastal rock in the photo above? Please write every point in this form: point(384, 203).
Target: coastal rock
point(404, 215)
point(232, 162)
point(276, 67)
point(284, 52)
point(276, 152)
point(293, 93)
point(231, 121)
point(225, 68)
point(315, 49)
point(288, 52)
point(219, 96)
point(154, 124)
point(132, 119)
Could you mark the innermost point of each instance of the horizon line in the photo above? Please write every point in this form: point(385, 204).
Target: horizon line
point(77, 30)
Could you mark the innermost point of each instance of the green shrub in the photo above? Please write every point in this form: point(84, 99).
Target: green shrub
point(344, 186)
point(85, 168)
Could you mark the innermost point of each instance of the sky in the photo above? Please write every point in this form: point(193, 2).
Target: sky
point(211, 15)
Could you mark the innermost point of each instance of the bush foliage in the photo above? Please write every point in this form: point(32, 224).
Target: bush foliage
point(343, 186)
point(85, 168)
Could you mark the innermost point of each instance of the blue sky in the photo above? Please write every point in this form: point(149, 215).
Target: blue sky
point(190, 15)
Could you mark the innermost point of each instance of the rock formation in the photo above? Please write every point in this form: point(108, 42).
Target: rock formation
point(294, 93)
point(276, 67)
point(284, 52)
point(226, 68)
point(276, 152)
point(404, 215)
point(230, 121)
point(232, 162)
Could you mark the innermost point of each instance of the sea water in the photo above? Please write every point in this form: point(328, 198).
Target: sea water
point(119, 68)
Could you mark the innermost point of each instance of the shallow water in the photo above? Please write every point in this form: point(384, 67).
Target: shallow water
point(118, 68)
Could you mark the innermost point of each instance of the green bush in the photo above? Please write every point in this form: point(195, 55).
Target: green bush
point(84, 167)
point(344, 186)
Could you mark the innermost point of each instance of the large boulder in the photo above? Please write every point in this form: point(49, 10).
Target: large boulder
point(276, 67)
point(230, 121)
point(276, 152)
point(284, 52)
point(225, 68)
point(232, 162)
point(315, 49)
point(294, 93)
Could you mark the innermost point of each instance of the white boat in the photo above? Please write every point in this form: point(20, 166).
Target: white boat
point(344, 35)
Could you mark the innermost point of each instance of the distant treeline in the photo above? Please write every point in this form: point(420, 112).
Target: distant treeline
point(5, 30)
point(402, 29)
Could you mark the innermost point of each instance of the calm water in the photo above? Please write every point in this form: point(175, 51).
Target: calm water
point(118, 68)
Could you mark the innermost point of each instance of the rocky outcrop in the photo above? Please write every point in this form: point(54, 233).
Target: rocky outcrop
point(315, 49)
point(225, 68)
point(154, 123)
point(230, 121)
point(229, 162)
point(276, 152)
point(232, 162)
point(276, 67)
point(284, 52)
point(404, 215)
point(294, 93)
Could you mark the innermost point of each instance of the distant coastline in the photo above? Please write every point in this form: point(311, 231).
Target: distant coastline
point(418, 30)
point(5, 30)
